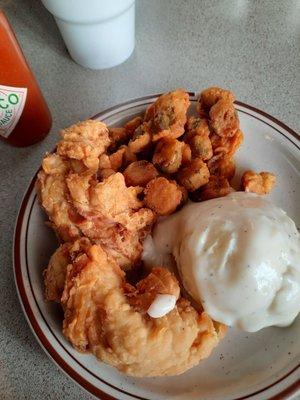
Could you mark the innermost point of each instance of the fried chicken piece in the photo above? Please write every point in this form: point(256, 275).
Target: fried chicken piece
point(162, 196)
point(139, 173)
point(99, 319)
point(223, 118)
point(104, 173)
point(193, 175)
point(218, 186)
point(159, 281)
point(53, 194)
point(261, 183)
point(85, 142)
point(141, 139)
point(226, 145)
point(210, 97)
point(223, 166)
point(108, 198)
point(132, 125)
point(104, 162)
point(55, 273)
point(169, 115)
point(168, 155)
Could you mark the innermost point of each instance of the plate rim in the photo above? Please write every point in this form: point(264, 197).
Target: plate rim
point(32, 321)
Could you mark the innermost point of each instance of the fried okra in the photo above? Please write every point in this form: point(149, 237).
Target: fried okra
point(139, 173)
point(261, 183)
point(226, 145)
point(193, 175)
point(169, 114)
point(223, 118)
point(168, 155)
point(210, 97)
point(141, 139)
point(162, 196)
point(222, 166)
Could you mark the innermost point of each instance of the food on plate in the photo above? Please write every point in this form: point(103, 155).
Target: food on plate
point(210, 96)
point(169, 115)
point(238, 256)
point(261, 183)
point(139, 173)
point(84, 142)
point(141, 139)
point(217, 186)
point(222, 165)
point(99, 318)
point(168, 155)
point(163, 196)
point(113, 273)
point(193, 175)
point(79, 205)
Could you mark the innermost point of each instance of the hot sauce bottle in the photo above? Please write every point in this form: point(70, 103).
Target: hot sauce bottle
point(24, 115)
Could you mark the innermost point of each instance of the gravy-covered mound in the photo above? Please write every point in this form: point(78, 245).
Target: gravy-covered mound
point(238, 256)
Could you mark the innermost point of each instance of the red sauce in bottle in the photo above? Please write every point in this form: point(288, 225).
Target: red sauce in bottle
point(24, 115)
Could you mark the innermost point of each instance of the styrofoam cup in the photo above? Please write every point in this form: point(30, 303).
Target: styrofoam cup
point(98, 33)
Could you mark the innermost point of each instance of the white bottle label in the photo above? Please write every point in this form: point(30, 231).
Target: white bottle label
point(12, 102)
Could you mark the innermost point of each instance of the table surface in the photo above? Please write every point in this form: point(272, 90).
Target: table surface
point(251, 47)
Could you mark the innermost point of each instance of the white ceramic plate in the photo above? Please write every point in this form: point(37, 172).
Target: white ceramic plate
point(264, 365)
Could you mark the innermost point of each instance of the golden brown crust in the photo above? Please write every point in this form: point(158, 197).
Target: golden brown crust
point(210, 97)
point(168, 115)
point(162, 196)
point(139, 173)
point(223, 118)
point(223, 166)
point(100, 319)
point(168, 155)
point(193, 175)
point(260, 183)
point(84, 142)
point(141, 139)
point(159, 281)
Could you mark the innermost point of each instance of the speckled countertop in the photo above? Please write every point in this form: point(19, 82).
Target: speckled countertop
point(251, 47)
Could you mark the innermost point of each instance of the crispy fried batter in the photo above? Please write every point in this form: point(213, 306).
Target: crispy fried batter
point(162, 196)
point(169, 114)
point(186, 154)
point(197, 126)
point(193, 175)
point(226, 145)
point(223, 118)
point(132, 125)
point(141, 139)
point(168, 155)
point(201, 147)
point(99, 318)
point(55, 273)
point(211, 96)
point(53, 194)
point(261, 183)
point(218, 186)
point(221, 165)
point(159, 281)
point(106, 212)
point(139, 173)
point(84, 141)
point(118, 136)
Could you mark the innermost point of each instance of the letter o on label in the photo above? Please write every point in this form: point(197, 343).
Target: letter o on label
point(13, 98)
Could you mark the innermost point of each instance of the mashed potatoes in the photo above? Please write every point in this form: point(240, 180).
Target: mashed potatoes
point(239, 256)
